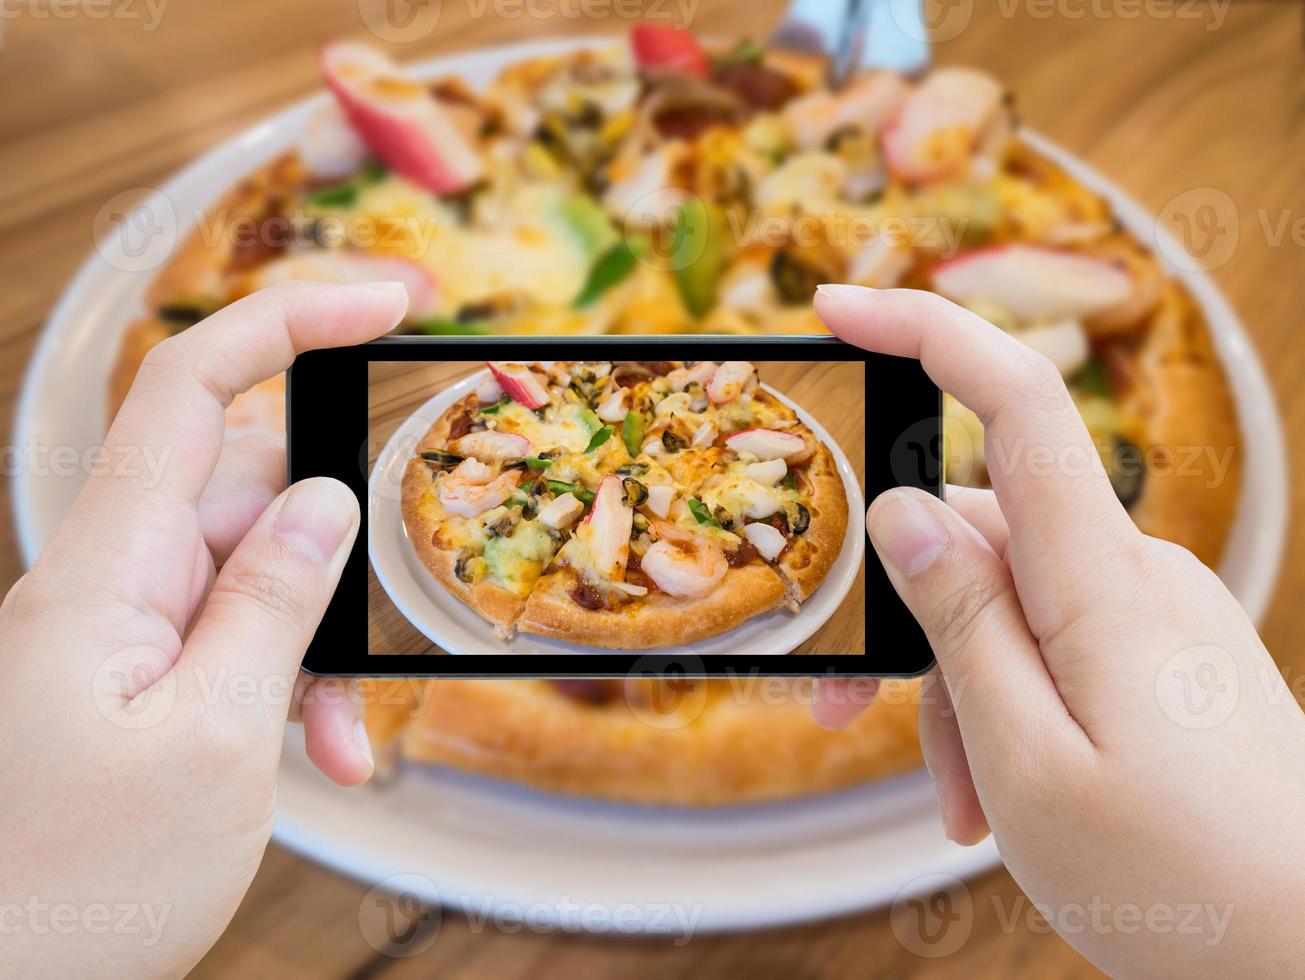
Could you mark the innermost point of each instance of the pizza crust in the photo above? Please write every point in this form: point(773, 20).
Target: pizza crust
point(200, 266)
point(806, 563)
point(709, 743)
point(437, 436)
point(198, 269)
point(659, 620)
point(1194, 459)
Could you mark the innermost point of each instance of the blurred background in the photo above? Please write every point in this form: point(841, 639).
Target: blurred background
point(1193, 108)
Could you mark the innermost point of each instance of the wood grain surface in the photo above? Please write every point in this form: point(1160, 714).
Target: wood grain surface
point(1179, 103)
point(833, 392)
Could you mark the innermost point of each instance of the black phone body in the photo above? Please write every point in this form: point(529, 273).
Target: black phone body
point(328, 435)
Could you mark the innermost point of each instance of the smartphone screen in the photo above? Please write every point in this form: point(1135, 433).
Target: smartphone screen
point(593, 506)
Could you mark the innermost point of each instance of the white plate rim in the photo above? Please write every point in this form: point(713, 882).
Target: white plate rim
point(427, 608)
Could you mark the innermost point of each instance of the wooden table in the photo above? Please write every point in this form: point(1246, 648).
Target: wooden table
point(825, 389)
point(1200, 98)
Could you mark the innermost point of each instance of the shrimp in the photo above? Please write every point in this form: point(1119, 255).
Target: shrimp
point(868, 102)
point(685, 568)
point(730, 380)
point(472, 488)
point(942, 123)
point(493, 445)
point(701, 372)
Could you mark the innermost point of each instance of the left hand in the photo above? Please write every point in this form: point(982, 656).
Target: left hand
point(151, 655)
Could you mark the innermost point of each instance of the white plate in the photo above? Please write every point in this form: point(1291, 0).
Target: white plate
point(447, 622)
point(481, 845)
point(478, 841)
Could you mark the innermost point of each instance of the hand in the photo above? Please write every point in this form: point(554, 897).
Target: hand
point(1116, 720)
point(151, 657)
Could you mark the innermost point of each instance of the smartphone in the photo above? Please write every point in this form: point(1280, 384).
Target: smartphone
point(601, 506)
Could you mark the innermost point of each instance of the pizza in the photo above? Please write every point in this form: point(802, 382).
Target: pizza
point(657, 185)
point(627, 505)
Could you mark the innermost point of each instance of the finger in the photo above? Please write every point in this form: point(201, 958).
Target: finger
point(838, 700)
point(981, 511)
point(1054, 492)
point(945, 758)
point(250, 474)
point(335, 734)
point(134, 527)
point(295, 713)
point(186, 382)
point(267, 601)
point(961, 593)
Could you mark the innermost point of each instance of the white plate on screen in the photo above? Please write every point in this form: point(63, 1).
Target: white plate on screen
point(453, 626)
point(478, 842)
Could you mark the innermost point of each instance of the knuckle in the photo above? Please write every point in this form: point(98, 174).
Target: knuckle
point(284, 302)
point(1043, 383)
point(959, 614)
point(1143, 561)
point(1177, 558)
point(271, 593)
point(164, 356)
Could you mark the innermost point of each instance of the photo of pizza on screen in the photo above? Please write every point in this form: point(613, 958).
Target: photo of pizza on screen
point(631, 505)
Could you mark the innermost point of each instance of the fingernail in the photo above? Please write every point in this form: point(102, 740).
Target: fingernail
point(941, 792)
point(364, 743)
point(316, 517)
point(387, 284)
point(949, 825)
point(907, 533)
point(842, 290)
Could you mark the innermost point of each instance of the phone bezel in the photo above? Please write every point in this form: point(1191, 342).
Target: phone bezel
point(903, 448)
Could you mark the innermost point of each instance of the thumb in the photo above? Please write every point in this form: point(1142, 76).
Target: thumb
point(268, 599)
point(960, 591)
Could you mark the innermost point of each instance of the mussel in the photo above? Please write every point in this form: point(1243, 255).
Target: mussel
point(441, 459)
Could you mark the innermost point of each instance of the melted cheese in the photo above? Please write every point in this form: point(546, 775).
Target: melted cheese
point(564, 426)
point(735, 491)
point(516, 562)
point(524, 248)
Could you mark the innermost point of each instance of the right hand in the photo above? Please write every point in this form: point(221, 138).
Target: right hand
point(1105, 705)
